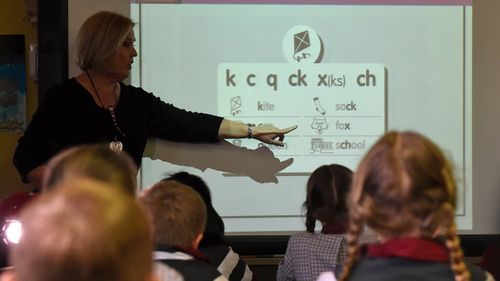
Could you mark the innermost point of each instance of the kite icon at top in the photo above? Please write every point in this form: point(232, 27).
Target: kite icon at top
point(303, 45)
point(300, 42)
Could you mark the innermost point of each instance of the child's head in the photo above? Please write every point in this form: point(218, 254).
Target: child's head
point(327, 188)
point(404, 187)
point(177, 212)
point(214, 229)
point(84, 232)
point(96, 162)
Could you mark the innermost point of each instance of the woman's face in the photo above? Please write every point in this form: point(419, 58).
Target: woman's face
point(118, 65)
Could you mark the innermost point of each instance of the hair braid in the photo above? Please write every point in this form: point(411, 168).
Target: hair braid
point(456, 255)
point(355, 229)
point(310, 222)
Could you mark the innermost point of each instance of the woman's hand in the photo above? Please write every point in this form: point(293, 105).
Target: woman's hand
point(264, 133)
point(270, 134)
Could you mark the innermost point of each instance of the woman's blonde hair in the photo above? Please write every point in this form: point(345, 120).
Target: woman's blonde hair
point(100, 37)
point(96, 162)
point(404, 184)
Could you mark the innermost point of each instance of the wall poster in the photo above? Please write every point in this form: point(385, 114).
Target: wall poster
point(12, 84)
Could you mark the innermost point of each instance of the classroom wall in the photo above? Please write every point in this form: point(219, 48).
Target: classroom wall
point(12, 14)
point(486, 116)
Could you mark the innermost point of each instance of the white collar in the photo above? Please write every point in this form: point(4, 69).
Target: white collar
point(161, 255)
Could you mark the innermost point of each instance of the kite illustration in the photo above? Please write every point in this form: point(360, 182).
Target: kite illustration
point(301, 42)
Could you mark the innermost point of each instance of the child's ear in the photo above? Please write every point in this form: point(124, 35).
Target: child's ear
point(438, 233)
point(8, 275)
point(142, 193)
point(151, 277)
point(196, 241)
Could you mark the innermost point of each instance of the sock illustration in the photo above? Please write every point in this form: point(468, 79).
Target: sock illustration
point(319, 108)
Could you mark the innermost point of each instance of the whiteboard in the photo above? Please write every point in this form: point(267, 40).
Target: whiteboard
point(365, 70)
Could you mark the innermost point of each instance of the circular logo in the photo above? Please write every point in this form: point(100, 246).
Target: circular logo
point(302, 44)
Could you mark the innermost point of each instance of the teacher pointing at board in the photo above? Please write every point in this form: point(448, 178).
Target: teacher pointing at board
point(96, 107)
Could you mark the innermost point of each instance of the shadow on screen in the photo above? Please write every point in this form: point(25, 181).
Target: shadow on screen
point(260, 164)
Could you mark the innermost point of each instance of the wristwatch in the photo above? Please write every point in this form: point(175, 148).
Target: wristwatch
point(249, 132)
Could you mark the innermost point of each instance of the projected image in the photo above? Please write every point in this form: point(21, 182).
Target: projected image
point(345, 74)
point(353, 95)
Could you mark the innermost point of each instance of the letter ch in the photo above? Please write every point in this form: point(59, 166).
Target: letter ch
point(366, 80)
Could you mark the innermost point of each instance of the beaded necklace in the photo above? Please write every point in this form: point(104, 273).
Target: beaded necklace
point(116, 145)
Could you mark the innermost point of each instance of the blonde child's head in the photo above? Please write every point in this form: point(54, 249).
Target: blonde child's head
point(177, 212)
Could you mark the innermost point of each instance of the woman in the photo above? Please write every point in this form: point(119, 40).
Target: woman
point(96, 106)
point(404, 191)
point(309, 253)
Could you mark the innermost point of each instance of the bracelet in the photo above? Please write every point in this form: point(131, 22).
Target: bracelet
point(249, 132)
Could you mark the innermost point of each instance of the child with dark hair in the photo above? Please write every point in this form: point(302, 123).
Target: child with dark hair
point(403, 189)
point(310, 253)
point(213, 244)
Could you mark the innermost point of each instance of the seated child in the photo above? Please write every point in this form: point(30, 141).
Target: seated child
point(86, 231)
point(96, 162)
point(178, 215)
point(309, 253)
point(403, 189)
point(213, 244)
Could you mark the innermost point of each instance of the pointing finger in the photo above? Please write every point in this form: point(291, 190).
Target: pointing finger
point(289, 129)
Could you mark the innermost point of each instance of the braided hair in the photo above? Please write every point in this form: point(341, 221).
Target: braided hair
point(404, 184)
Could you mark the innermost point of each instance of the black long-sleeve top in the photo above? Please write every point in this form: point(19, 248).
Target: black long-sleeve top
point(68, 116)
